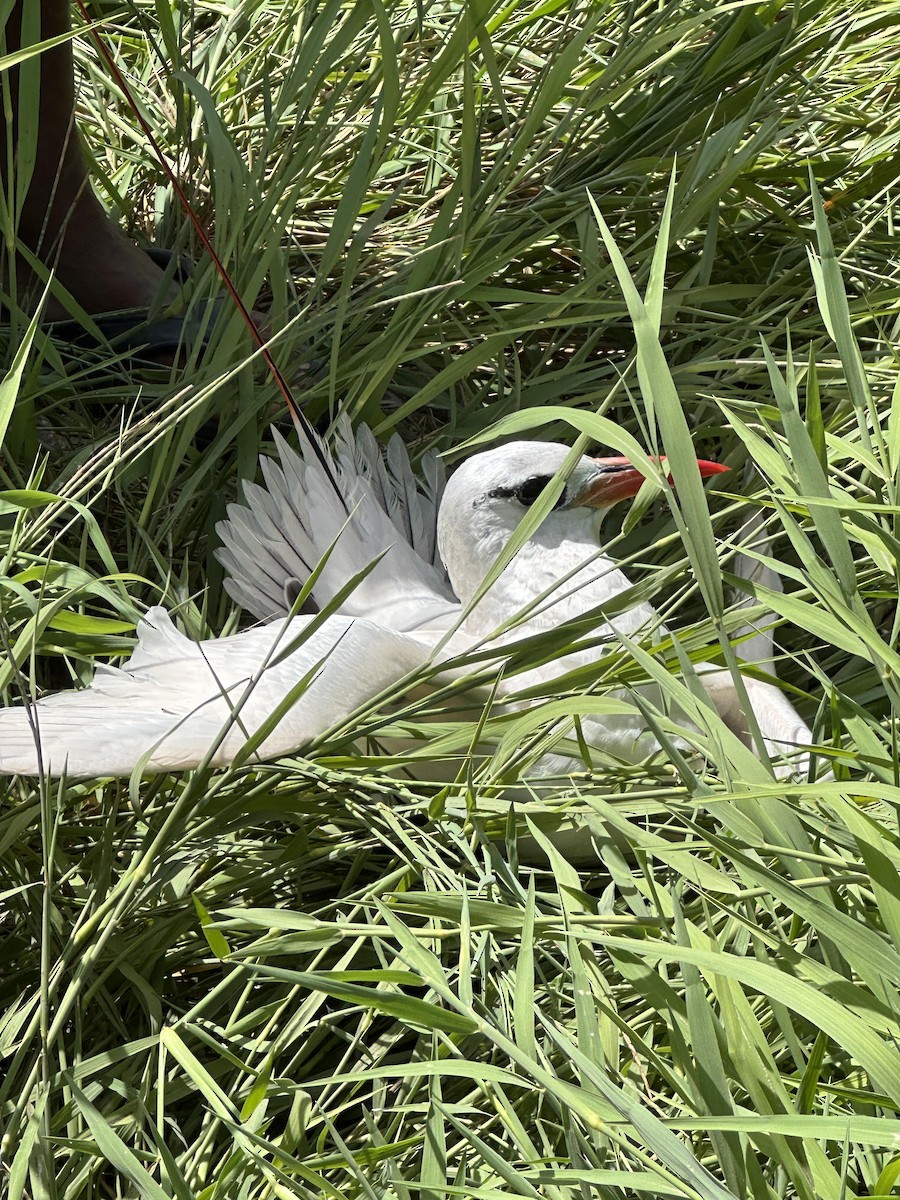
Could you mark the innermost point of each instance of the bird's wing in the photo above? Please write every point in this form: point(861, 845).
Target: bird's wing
point(177, 701)
point(783, 730)
point(359, 509)
point(409, 500)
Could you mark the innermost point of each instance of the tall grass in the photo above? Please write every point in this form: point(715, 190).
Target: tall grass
point(327, 976)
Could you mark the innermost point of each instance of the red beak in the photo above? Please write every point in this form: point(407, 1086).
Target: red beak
point(618, 480)
point(707, 468)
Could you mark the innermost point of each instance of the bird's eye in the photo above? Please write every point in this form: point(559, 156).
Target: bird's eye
point(529, 491)
point(526, 493)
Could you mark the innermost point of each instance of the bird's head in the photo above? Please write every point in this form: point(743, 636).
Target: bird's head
point(488, 494)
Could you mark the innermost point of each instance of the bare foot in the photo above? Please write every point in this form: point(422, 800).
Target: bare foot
point(92, 259)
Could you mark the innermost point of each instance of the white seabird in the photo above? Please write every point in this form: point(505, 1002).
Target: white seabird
point(322, 522)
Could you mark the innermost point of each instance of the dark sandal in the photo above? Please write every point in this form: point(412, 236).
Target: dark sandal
point(130, 333)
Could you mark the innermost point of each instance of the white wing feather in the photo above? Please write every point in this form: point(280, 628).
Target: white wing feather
point(784, 732)
point(272, 542)
point(175, 699)
point(409, 500)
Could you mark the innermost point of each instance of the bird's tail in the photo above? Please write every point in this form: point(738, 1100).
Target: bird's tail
point(757, 644)
point(785, 734)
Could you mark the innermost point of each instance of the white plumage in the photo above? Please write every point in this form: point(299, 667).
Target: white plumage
point(177, 703)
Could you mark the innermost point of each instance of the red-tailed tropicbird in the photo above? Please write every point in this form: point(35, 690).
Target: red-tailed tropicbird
point(177, 703)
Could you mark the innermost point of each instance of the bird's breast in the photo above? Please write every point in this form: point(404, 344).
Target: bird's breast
point(545, 586)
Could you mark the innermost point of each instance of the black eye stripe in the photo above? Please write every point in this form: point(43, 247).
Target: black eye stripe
point(526, 492)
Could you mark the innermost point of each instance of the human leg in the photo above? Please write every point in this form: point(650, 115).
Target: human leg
point(61, 220)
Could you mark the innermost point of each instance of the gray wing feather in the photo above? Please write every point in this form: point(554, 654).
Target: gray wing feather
point(410, 502)
point(408, 517)
point(273, 541)
point(434, 480)
point(370, 465)
point(253, 553)
point(784, 731)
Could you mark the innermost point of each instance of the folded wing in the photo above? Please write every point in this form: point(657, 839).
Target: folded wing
point(177, 703)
